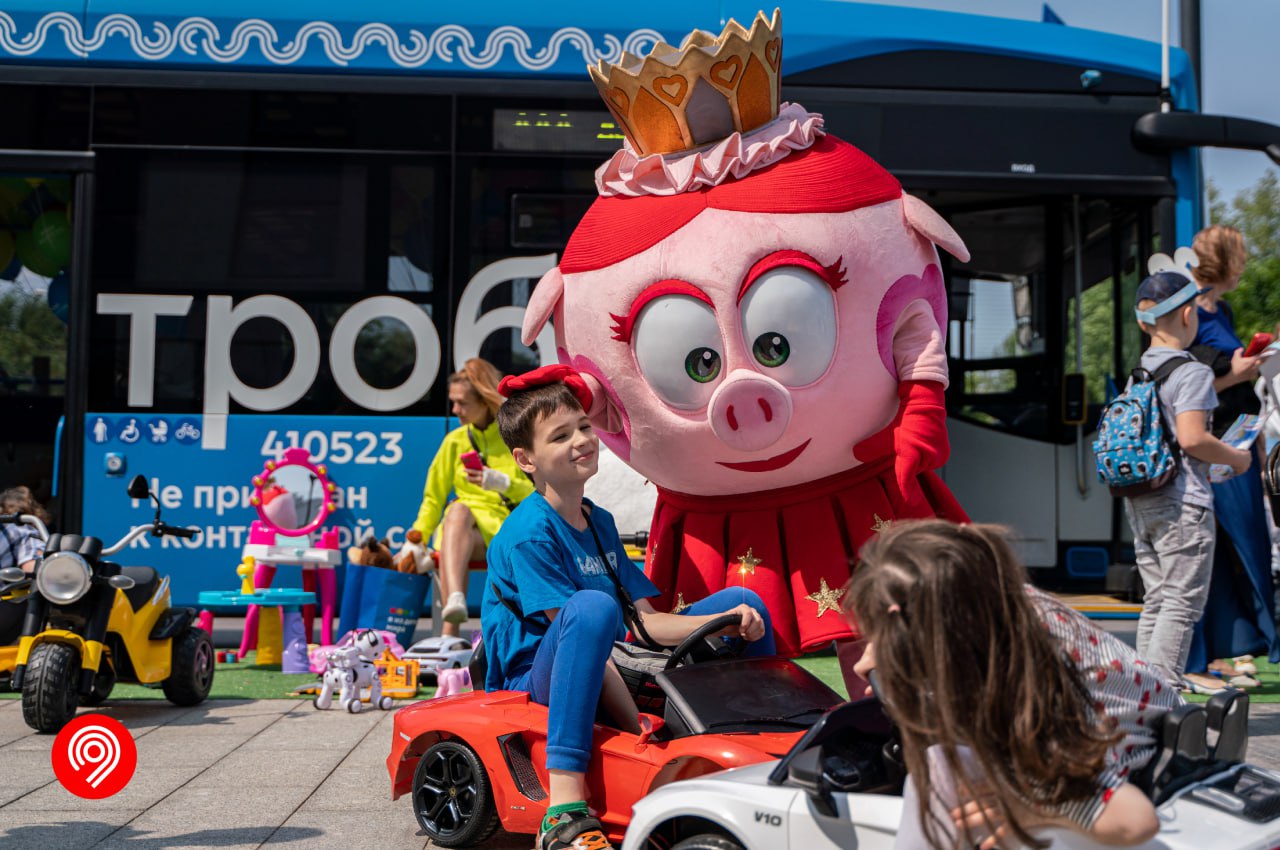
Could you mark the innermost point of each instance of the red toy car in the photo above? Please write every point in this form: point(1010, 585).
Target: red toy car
point(475, 760)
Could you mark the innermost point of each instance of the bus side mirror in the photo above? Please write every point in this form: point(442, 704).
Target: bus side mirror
point(1168, 130)
point(1075, 404)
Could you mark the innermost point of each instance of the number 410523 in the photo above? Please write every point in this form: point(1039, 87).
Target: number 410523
point(338, 447)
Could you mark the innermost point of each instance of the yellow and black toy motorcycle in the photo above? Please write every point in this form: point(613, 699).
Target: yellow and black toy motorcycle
point(90, 623)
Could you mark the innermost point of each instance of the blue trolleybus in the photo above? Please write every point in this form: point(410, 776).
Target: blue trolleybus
point(231, 228)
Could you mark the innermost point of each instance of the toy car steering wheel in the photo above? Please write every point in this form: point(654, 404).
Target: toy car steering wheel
point(703, 635)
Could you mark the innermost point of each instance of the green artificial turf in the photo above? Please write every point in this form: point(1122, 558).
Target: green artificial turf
point(245, 680)
point(241, 680)
point(827, 668)
point(1267, 692)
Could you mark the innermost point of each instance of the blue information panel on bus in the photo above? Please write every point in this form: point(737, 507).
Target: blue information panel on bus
point(378, 464)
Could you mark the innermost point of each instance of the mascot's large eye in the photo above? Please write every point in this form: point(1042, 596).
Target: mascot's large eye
point(771, 349)
point(703, 365)
point(677, 344)
point(789, 320)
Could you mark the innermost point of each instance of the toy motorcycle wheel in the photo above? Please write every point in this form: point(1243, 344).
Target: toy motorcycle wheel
point(452, 798)
point(191, 674)
point(49, 694)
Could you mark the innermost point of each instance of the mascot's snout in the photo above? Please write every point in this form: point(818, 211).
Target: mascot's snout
point(750, 412)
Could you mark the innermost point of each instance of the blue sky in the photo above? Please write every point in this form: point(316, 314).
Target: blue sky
point(1240, 62)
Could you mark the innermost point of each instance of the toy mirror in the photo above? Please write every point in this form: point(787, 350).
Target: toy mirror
point(293, 496)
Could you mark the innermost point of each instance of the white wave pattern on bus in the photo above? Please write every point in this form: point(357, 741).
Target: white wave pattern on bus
point(412, 49)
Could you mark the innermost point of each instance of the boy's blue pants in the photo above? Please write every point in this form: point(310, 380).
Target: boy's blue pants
point(568, 670)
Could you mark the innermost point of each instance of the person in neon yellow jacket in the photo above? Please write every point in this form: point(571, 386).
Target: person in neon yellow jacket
point(484, 497)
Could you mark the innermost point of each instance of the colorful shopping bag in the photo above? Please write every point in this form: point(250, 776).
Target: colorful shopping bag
point(379, 598)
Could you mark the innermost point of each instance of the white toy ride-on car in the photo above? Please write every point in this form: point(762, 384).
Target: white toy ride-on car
point(434, 654)
point(840, 786)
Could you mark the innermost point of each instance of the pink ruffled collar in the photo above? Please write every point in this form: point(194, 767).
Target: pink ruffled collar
point(629, 175)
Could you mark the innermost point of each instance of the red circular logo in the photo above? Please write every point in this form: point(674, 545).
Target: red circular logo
point(94, 756)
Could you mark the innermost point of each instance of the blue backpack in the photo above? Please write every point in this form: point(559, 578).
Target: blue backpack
point(1135, 454)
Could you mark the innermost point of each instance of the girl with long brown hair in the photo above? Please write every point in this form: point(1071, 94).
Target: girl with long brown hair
point(1041, 715)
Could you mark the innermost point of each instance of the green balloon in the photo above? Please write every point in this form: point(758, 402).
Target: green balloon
point(33, 258)
point(13, 191)
point(6, 249)
point(52, 233)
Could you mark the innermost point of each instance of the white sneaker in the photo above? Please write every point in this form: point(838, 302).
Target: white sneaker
point(455, 611)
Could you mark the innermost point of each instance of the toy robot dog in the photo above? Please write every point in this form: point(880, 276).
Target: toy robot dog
point(350, 671)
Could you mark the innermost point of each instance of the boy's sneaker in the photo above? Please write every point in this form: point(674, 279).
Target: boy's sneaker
point(574, 831)
point(455, 611)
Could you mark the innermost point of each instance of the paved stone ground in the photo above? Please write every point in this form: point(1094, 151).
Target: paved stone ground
point(225, 774)
point(264, 773)
point(249, 774)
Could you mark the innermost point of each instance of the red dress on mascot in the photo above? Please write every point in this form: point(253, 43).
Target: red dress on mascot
point(760, 314)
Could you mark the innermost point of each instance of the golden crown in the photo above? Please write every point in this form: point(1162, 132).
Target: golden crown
point(710, 87)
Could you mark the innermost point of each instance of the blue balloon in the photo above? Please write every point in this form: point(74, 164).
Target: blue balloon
point(11, 271)
point(59, 295)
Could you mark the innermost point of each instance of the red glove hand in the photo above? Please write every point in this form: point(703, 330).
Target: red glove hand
point(917, 436)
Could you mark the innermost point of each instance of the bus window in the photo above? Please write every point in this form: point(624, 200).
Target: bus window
point(35, 250)
point(997, 333)
point(1113, 264)
point(35, 254)
point(323, 230)
point(513, 206)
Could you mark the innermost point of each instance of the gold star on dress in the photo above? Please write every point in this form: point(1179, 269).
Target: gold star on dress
point(827, 599)
point(880, 524)
point(680, 604)
point(747, 563)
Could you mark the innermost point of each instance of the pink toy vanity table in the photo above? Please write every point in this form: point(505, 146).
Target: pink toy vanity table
point(293, 498)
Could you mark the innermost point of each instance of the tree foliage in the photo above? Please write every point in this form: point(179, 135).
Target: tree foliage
point(30, 330)
point(1255, 212)
point(1097, 354)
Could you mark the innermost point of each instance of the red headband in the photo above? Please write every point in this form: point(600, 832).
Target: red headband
point(557, 373)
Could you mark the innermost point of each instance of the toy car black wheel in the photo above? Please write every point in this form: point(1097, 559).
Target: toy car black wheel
point(49, 694)
point(708, 841)
point(191, 674)
point(103, 682)
point(452, 798)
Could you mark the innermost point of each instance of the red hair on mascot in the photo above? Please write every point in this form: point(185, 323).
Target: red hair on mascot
point(759, 312)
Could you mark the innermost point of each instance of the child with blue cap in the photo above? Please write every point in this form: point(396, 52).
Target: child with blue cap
point(1173, 526)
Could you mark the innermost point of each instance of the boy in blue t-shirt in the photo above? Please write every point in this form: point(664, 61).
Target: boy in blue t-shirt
point(551, 608)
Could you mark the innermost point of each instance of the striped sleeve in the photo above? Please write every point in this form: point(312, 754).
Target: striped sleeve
point(1085, 812)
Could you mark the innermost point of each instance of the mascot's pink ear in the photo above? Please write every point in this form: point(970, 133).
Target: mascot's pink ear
point(930, 225)
point(546, 295)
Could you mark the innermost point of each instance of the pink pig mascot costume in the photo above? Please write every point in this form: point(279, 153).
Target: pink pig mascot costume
point(759, 311)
